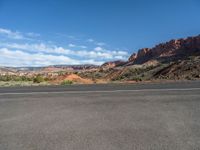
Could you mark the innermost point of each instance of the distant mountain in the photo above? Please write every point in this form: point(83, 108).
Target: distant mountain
point(4, 70)
point(77, 67)
point(52, 68)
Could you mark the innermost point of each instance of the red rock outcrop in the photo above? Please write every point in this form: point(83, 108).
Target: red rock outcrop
point(174, 49)
point(113, 64)
point(132, 57)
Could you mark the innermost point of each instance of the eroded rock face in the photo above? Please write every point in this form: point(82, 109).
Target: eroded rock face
point(143, 52)
point(174, 48)
point(112, 64)
point(143, 55)
point(132, 57)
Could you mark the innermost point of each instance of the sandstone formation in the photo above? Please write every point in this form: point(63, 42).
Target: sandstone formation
point(172, 50)
point(113, 64)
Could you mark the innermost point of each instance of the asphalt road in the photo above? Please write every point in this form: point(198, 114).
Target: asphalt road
point(101, 117)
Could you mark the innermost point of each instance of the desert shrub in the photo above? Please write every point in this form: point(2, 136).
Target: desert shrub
point(137, 79)
point(47, 79)
point(60, 73)
point(38, 79)
point(188, 78)
point(16, 78)
point(4, 78)
point(150, 68)
point(67, 82)
point(24, 78)
point(143, 75)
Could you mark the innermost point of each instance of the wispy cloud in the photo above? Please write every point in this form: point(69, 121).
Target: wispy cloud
point(72, 45)
point(90, 40)
point(71, 37)
point(35, 52)
point(96, 42)
point(98, 48)
point(34, 35)
point(16, 35)
point(11, 34)
point(36, 47)
point(20, 58)
point(98, 52)
point(77, 46)
point(100, 44)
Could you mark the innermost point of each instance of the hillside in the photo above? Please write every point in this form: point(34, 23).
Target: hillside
point(170, 51)
point(185, 69)
point(174, 60)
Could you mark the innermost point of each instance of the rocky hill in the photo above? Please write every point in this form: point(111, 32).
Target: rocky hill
point(186, 69)
point(173, 60)
point(169, 51)
point(4, 70)
point(113, 64)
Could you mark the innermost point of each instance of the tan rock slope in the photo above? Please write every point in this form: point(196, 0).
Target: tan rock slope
point(113, 64)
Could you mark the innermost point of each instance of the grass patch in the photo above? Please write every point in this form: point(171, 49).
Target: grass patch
point(21, 83)
point(67, 82)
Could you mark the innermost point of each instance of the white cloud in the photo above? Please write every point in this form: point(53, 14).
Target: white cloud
point(35, 53)
point(41, 47)
point(77, 46)
point(90, 40)
point(34, 35)
point(19, 58)
point(95, 42)
point(98, 48)
point(100, 44)
point(97, 53)
point(120, 57)
point(16, 35)
point(11, 34)
point(72, 45)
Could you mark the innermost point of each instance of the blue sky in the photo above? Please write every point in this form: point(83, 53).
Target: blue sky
point(47, 32)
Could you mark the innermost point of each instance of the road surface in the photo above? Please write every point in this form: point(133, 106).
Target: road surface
point(162, 116)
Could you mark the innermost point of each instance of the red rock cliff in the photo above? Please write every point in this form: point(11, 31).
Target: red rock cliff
point(172, 49)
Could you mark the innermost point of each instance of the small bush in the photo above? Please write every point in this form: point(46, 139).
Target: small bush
point(38, 79)
point(66, 82)
point(137, 79)
point(16, 78)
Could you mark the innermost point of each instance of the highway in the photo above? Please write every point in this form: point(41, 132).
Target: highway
point(157, 116)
